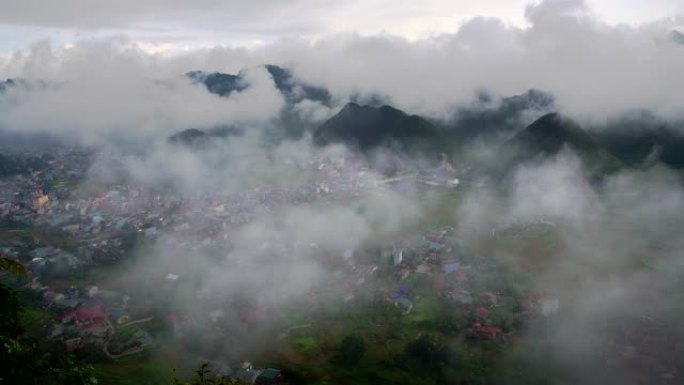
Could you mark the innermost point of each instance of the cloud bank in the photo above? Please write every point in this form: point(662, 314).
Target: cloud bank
point(594, 69)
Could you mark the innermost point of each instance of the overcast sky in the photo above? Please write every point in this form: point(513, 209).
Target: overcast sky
point(182, 24)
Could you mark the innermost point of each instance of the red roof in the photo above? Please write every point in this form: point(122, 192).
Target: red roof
point(93, 326)
point(439, 240)
point(72, 345)
point(481, 311)
point(87, 314)
point(486, 329)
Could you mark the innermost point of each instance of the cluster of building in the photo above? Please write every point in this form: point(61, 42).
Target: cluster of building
point(24, 196)
point(91, 229)
point(455, 275)
point(92, 317)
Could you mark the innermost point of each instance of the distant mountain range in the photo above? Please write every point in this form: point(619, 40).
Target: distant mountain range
point(373, 124)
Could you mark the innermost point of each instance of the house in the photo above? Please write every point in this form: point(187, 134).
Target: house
point(67, 303)
point(92, 291)
point(461, 295)
point(85, 315)
point(481, 312)
point(73, 228)
point(43, 252)
point(110, 296)
point(269, 377)
point(73, 344)
point(398, 257)
point(150, 232)
point(118, 315)
point(141, 339)
point(39, 201)
point(171, 277)
point(402, 302)
point(349, 253)
point(486, 331)
point(247, 373)
point(98, 330)
point(545, 306)
point(549, 306)
point(450, 266)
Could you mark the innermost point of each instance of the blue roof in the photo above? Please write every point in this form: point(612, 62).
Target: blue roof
point(451, 267)
point(270, 373)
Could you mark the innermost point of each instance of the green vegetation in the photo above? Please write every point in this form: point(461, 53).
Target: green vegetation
point(133, 370)
point(351, 351)
point(204, 376)
point(26, 359)
point(306, 345)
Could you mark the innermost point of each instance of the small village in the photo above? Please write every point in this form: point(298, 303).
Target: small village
point(392, 290)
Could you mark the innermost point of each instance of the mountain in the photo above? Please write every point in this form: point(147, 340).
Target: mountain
point(218, 83)
point(677, 37)
point(222, 84)
point(4, 85)
point(193, 137)
point(190, 137)
point(550, 134)
point(291, 124)
point(642, 137)
point(296, 90)
point(366, 128)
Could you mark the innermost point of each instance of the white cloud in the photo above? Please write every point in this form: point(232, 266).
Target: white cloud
point(596, 70)
point(115, 89)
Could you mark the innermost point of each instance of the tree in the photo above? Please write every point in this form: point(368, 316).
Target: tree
point(351, 350)
point(13, 267)
point(426, 351)
point(204, 376)
point(27, 360)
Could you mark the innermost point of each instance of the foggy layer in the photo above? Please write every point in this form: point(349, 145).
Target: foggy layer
point(291, 257)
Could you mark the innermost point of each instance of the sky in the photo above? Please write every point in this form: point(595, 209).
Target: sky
point(185, 25)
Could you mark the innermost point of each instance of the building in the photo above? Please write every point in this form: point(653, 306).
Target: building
point(39, 200)
point(85, 315)
point(269, 377)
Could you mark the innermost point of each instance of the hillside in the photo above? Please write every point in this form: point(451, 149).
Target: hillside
point(644, 138)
